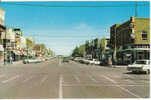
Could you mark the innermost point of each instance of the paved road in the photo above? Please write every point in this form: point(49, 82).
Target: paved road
point(54, 79)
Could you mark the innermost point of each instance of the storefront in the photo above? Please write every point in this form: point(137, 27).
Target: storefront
point(128, 56)
point(16, 55)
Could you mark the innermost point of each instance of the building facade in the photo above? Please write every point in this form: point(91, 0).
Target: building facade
point(131, 40)
point(2, 31)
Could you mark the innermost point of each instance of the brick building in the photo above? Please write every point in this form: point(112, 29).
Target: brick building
point(131, 40)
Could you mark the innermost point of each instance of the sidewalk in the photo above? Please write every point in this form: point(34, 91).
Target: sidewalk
point(14, 63)
point(18, 62)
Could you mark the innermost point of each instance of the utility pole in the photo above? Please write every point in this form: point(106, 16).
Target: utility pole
point(136, 9)
point(115, 48)
point(5, 51)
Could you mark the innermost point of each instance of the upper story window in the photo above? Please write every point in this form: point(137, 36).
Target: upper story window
point(144, 35)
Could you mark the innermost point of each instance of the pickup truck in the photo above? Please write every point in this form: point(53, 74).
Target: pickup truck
point(140, 66)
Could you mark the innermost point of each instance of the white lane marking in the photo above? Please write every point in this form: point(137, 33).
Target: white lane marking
point(126, 90)
point(77, 78)
point(44, 79)
point(12, 78)
point(110, 79)
point(93, 79)
point(59, 62)
point(2, 75)
point(28, 79)
point(61, 87)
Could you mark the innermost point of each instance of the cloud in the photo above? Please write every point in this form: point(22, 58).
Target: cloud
point(82, 26)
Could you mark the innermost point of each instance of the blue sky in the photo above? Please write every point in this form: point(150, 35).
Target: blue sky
point(64, 28)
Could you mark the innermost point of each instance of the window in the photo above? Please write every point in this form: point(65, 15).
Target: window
point(140, 62)
point(144, 35)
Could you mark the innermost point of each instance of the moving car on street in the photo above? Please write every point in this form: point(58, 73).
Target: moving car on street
point(140, 66)
point(33, 60)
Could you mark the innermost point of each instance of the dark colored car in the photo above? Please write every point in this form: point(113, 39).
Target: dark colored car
point(65, 59)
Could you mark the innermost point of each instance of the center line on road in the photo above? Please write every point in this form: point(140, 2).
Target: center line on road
point(44, 78)
point(110, 79)
point(61, 87)
point(13, 78)
point(59, 62)
point(126, 90)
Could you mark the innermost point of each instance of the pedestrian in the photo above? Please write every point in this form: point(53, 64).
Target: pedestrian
point(110, 62)
point(11, 59)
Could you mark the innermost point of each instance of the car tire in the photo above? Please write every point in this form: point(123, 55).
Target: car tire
point(135, 72)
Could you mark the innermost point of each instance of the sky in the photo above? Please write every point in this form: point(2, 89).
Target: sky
point(64, 25)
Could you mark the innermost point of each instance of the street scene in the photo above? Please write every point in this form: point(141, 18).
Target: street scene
point(74, 50)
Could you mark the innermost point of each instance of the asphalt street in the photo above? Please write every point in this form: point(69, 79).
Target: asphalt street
point(55, 79)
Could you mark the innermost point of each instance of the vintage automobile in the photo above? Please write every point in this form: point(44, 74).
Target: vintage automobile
point(140, 66)
point(96, 62)
point(33, 60)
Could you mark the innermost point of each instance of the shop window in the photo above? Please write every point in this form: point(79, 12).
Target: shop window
point(144, 35)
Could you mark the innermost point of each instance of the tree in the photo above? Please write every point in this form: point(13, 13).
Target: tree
point(82, 50)
point(76, 52)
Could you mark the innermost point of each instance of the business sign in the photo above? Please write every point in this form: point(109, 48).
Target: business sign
point(18, 32)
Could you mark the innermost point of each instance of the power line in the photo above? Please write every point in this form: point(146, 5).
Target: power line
point(39, 5)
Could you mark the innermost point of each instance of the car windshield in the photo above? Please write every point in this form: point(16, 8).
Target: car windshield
point(140, 62)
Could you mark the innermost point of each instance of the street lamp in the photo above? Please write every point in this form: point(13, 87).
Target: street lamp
point(5, 51)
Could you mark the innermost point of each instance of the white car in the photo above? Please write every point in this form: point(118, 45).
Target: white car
point(92, 61)
point(96, 62)
point(140, 66)
point(77, 59)
point(33, 60)
point(86, 61)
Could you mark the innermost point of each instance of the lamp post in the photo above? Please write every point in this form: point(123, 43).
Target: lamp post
point(5, 51)
point(115, 47)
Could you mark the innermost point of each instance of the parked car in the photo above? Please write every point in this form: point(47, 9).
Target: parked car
point(140, 66)
point(92, 61)
point(81, 61)
point(65, 59)
point(96, 62)
point(33, 60)
point(86, 61)
point(47, 58)
point(77, 59)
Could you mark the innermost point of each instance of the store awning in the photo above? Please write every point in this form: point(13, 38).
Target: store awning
point(135, 49)
point(17, 52)
point(2, 28)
